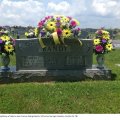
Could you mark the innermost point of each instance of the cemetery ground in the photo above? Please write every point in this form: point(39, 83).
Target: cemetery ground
point(89, 96)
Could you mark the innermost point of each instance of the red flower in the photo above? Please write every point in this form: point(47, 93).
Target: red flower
point(59, 31)
point(73, 24)
point(99, 48)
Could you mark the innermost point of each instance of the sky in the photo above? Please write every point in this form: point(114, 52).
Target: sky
point(90, 13)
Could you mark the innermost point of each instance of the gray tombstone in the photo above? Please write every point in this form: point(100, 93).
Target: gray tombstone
point(116, 43)
point(71, 62)
point(72, 56)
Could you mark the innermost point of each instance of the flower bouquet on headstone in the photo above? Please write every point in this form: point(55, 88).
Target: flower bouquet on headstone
point(102, 44)
point(58, 28)
point(7, 47)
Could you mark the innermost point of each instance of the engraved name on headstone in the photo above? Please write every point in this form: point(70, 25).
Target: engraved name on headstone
point(77, 60)
point(56, 49)
point(31, 60)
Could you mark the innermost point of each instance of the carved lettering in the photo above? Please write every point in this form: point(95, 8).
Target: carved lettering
point(31, 56)
point(50, 60)
point(25, 44)
point(74, 60)
point(32, 61)
point(56, 49)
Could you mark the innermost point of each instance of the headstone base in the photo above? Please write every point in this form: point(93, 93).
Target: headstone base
point(54, 75)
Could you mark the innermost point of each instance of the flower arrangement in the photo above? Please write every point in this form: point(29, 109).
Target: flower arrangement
point(64, 26)
point(7, 43)
point(102, 42)
point(57, 27)
point(30, 33)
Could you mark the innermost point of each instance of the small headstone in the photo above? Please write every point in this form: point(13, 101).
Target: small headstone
point(116, 43)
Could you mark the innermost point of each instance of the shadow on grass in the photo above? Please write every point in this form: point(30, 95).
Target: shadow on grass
point(56, 80)
point(113, 76)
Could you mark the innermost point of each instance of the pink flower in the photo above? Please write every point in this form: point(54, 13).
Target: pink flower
point(43, 20)
point(99, 48)
point(99, 32)
point(40, 24)
point(48, 17)
point(59, 31)
point(14, 42)
point(78, 29)
point(73, 23)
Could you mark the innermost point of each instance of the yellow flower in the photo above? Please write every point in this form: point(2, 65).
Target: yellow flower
point(96, 41)
point(109, 47)
point(5, 38)
point(66, 33)
point(105, 32)
point(36, 31)
point(51, 25)
point(106, 36)
point(65, 19)
point(9, 48)
point(26, 33)
point(57, 16)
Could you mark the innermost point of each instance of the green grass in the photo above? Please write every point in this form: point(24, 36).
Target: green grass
point(111, 60)
point(77, 97)
point(68, 97)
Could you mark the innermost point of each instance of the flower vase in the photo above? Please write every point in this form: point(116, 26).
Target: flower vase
point(5, 60)
point(100, 61)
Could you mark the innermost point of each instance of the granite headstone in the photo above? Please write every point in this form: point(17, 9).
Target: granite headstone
point(67, 62)
point(72, 56)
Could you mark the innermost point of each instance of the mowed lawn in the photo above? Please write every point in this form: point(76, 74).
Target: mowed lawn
point(90, 96)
